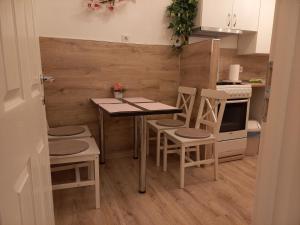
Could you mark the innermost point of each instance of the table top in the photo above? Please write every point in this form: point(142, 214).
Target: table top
point(136, 106)
point(137, 100)
point(106, 101)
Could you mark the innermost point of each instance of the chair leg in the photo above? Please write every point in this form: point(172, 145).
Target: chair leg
point(182, 161)
point(216, 160)
point(97, 182)
point(198, 154)
point(158, 149)
point(165, 153)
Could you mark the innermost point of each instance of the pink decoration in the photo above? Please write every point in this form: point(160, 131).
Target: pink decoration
point(96, 4)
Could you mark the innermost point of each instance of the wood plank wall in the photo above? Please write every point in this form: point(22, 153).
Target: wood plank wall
point(86, 69)
point(198, 67)
point(254, 66)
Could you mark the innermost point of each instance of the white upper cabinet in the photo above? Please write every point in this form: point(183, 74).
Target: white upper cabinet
point(245, 15)
point(259, 42)
point(215, 13)
point(230, 14)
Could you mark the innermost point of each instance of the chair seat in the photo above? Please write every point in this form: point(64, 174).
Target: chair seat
point(171, 134)
point(92, 151)
point(153, 125)
point(192, 133)
point(170, 123)
point(68, 132)
point(67, 147)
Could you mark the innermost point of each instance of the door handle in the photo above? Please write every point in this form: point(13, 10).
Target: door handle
point(46, 78)
point(229, 20)
point(235, 20)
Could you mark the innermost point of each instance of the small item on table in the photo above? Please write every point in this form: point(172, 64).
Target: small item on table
point(118, 90)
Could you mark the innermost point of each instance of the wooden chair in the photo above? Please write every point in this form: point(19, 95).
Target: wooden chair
point(87, 155)
point(205, 133)
point(185, 100)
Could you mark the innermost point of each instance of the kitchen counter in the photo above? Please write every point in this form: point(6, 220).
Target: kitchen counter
point(256, 85)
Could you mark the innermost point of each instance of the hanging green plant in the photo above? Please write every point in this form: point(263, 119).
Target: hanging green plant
point(182, 14)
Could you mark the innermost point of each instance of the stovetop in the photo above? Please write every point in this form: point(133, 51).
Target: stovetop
point(236, 91)
point(228, 82)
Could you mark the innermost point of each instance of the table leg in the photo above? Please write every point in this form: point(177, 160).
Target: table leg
point(136, 138)
point(102, 148)
point(143, 155)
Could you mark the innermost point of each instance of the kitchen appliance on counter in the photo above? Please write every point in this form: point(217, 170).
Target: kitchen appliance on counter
point(232, 141)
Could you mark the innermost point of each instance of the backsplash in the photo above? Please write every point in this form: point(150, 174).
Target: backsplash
point(254, 66)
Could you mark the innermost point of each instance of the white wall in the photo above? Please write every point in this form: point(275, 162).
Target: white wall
point(143, 21)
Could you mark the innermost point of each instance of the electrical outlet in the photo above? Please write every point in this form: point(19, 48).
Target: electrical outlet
point(124, 38)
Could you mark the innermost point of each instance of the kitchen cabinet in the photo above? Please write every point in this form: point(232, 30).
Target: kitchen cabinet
point(259, 42)
point(214, 13)
point(228, 14)
point(245, 15)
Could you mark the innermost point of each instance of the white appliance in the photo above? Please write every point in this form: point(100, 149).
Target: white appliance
point(234, 72)
point(232, 141)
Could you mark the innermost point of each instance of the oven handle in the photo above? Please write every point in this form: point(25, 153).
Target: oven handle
point(237, 101)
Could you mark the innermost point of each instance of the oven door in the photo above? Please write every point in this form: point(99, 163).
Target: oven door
point(234, 123)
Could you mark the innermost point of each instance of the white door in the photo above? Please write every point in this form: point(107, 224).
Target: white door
point(245, 15)
point(25, 185)
point(215, 13)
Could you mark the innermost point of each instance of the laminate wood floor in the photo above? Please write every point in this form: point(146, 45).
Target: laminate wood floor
point(204, 201)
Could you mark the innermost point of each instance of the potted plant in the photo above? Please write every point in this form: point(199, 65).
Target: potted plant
point(182, 14)
point(118, 90)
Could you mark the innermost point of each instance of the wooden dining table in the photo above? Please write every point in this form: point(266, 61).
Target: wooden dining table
point(139, 108)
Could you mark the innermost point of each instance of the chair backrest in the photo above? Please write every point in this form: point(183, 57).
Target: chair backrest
point(211, 110)
point(185, 101)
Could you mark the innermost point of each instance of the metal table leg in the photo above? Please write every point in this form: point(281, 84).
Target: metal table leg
point(102, 148)
point(136, 139)
point(143, 155)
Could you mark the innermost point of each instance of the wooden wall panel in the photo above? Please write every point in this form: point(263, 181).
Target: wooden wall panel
point(86, 69)
point(198, 67)
point(254, 66)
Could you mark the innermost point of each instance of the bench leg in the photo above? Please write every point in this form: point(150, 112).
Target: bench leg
point(182, 161)
point(97, 182)
point(165, 153)
point(158, 149)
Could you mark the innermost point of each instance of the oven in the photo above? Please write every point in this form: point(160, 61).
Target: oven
point(232, 140)
point(235, 118)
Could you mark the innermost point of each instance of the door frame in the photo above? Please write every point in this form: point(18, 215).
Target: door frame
point(277, 198)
